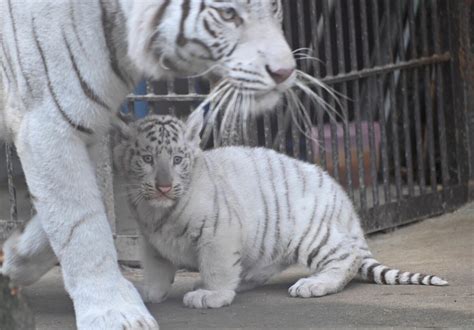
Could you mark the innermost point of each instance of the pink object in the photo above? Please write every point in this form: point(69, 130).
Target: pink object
point(327, 144)
point(165, 189)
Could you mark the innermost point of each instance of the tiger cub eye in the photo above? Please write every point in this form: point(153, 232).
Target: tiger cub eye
point(148, 159)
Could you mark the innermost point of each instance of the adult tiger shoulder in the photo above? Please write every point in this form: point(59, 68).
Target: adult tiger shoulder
point(67, 65)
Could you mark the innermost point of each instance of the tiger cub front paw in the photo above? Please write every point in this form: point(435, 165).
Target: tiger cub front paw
point(208, 299)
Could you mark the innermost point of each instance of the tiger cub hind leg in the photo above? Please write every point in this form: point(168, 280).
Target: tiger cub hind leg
point(332, 266)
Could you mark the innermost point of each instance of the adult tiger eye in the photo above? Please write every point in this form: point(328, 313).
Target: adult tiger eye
point(228, 14)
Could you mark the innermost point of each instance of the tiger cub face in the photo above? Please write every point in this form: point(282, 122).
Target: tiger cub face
point(238, 40)
point(157, 154)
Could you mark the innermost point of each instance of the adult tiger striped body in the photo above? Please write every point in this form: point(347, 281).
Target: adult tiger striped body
point(67, 65)
point(240, 216)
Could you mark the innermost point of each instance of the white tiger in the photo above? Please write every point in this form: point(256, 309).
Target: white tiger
point(239, 216)
point(67, 65)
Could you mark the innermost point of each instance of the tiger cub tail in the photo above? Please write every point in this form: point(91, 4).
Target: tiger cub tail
point(375, 272)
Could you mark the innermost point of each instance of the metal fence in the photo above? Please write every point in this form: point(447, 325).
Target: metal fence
point(404, 69)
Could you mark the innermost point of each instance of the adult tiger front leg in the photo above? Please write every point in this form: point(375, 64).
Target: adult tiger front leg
point(69, 64)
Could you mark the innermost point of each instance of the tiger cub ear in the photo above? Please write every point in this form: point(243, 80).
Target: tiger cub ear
point(194, 126)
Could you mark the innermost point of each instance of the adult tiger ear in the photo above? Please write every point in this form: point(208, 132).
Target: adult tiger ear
point(194, 126)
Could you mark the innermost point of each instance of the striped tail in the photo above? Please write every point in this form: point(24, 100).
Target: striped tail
point(372, 271)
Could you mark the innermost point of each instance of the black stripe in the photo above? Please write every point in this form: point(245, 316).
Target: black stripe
point(237, 262)
point(315, 251)
point(201, 230)
point(300, 174)
point(421, 278)
point(370, 272)
point(181, 39)
point(17, 47)
point(88, 91)
point(216, 196)
point(7, 74)
point(308, 230)
point(207, 27)
point(156, 24)
point(71, 233)
point(80, 128)
point(108, 26)
point(232, 50)
point(382, 275)
point(430, 278)
point(289, 216)
point(276, 204)
point(185, 230)
point(340, 258)
point(321, 178)
point(330, 218)
point(330, 252)
point(397, 277)
point(265, 206)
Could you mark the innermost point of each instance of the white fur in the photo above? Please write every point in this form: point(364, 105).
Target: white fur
point(43, 88)
point(240, 216)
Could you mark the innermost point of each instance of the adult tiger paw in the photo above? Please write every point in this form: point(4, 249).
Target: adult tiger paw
point(208, 299)
point(127, 317)
point(119, 307)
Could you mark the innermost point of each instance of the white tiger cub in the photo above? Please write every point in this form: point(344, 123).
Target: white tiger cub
point(240, 216)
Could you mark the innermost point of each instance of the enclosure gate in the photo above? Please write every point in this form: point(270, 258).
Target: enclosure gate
point(400, 140)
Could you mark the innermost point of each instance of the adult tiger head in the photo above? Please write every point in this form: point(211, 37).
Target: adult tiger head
point(240, 41)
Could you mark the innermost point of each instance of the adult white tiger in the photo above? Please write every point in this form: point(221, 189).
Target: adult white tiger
point(67, 65)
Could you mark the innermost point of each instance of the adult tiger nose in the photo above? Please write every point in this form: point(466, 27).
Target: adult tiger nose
point(280, 75)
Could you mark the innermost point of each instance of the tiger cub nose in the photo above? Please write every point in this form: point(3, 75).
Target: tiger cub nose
point(280, 75)
point(164, 189)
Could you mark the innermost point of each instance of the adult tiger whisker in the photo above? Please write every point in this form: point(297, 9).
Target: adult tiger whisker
point(230, 129)
point(302, 49)
point(308, 58)
point(215, 110)
point(245, 117)
point(299, 113)
point(215, 93)
point(316, 99)
point(308, 79)
point(226, 115)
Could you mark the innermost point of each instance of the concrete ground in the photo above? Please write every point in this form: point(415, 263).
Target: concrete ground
point(443, 246)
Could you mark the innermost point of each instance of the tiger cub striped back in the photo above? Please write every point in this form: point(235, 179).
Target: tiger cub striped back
point(241, 215)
